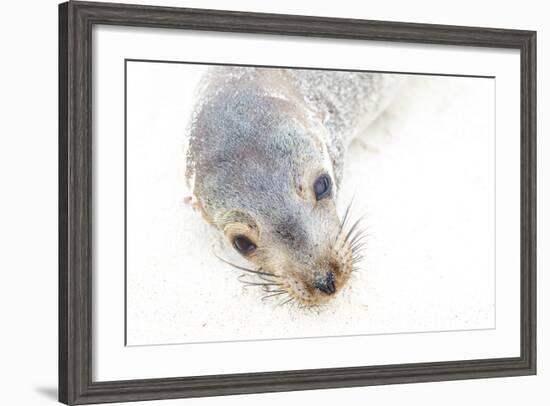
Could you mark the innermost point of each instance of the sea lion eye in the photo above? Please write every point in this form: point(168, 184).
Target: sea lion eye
point(322, 187)
point(243, 245)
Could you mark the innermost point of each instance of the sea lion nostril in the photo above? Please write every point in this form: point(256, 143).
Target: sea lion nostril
point(326, 285)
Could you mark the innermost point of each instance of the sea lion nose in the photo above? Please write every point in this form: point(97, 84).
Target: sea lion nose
point(326, 285)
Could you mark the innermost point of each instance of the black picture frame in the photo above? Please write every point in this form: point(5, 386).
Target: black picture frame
point(76, 20)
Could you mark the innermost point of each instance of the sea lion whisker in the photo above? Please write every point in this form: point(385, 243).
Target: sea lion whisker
point(346, 214)
point(353, 228)
point(359, 234)
point(316, 308)
point(261, 284)
point(357, 259)
point(265, 297)
point(242, 279)
point(358, 248)
point(257, 272)
point(339, 241)
point(290, 299)
point(359, 242)
point(361, 248)
point(264, 278)
point(271, 289)
point(292, 305)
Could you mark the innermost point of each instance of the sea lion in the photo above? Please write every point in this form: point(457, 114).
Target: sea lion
point(264, 163)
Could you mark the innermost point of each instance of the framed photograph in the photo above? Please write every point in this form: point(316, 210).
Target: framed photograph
point(257, 202)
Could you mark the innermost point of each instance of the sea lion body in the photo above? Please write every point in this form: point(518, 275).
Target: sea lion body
point(265, 161)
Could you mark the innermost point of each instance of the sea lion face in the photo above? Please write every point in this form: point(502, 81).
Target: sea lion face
point(299, 249)
point(263, 177)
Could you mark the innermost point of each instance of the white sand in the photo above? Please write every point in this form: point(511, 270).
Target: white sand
point(423, 174)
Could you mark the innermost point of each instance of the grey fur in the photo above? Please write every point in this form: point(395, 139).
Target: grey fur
point(237, 113)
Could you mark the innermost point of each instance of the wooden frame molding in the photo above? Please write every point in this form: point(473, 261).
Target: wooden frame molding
point(76, 20)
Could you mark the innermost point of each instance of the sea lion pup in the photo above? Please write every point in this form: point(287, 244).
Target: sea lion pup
point(264, 163)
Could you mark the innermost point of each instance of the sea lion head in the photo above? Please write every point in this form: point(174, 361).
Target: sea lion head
point(262, 175)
